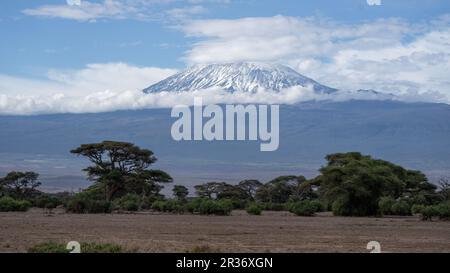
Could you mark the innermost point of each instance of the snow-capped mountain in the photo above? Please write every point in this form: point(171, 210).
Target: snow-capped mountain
point(243, 76)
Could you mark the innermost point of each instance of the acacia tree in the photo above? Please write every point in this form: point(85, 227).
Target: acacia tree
point(284, 188)
point(250, 187)
point(122, 167)
point(209, 190)
point(180, 192)
point(20, 185)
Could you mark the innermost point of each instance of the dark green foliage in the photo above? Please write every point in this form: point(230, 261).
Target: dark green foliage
point(401, 208)
point(129, 202)
point(20, 185)
point(46, 201)
point(416, 209)
point(238, 195)
point(209, 190)
point(207, 206)
point(121, 167)
point(273, 206)
point(277, 191)
point(354, 184)
point(173, 206)
point(53, 247)
point(180, 192)
point(385, 205)
point(254, 208)
point(305, 208)
point(443, 211)
point(250, 187)
point(10, 204)
point(84, 203)
point(389, 206)
point(428, 213)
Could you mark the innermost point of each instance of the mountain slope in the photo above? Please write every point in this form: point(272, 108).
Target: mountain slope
point(244, 77)
point(415, 135)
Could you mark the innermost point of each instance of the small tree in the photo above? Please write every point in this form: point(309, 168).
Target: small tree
point(180, 192)
point(250, 187)
point(20, 185)
point(209, 190)
point(121, 167)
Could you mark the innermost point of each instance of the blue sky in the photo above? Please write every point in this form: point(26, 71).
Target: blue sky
point(49, 41)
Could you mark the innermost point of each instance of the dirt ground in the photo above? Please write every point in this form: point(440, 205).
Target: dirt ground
point(270, 232)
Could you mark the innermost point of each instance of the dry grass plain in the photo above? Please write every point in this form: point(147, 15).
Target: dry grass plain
point(270, 232)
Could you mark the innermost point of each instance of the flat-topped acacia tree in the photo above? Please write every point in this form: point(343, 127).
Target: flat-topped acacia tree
point(122, 167)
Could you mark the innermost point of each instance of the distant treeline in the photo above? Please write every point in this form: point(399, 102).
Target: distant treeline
point(350, 184)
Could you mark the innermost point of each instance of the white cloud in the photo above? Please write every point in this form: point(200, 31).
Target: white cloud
point(374, 2)
point(186, 12)
point(135, 99)
point(91, 11)
point(389, 55)
point(67, 91)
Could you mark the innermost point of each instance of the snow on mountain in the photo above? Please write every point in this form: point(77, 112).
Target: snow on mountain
point(244, 77)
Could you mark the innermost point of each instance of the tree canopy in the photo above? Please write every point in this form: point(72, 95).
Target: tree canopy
point(354, 183)
point(20, 185)
point(122, 167)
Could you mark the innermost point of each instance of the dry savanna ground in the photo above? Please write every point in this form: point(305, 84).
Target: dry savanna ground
point(270, 232)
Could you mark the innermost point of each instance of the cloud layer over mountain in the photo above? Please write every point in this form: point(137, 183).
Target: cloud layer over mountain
point(389, 55)
point(394, 56)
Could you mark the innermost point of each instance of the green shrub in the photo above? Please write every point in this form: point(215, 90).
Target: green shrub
point(53, 247)
point(273, 206)
point(428, 213)
point(385, 205)
point(10, 204)
point(174, 206)
point(81, 203)
point(319, 206)
point(47, 202)
point(129, 202)
point(306, 208)
point(254, 208)
point(443, 211)
point(416, 209)
point(207, 206)
point(340, 208)
point(401, 208)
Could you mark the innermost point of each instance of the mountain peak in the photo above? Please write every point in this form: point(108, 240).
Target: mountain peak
point(232, 77)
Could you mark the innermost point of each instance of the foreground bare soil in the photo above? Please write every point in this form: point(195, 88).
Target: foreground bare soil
point(271, 232)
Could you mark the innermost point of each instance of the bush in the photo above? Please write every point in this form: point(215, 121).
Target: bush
point(254, 208)
point(306, 208)
point(319, 207)
point(401, 208)
point(273, 206)
point(129, 202)
point(81, 203)
point(443, 211)
point(416, 209)
point(207, 206)
point(47, 202)
point(173, 206)
point(428, 213)
point(10, 204)
point(340, 208)
point(385, 205)
point(53, 247)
